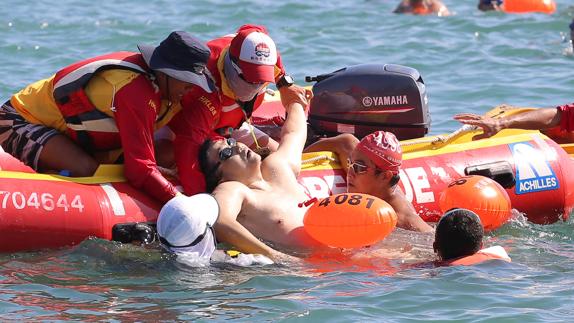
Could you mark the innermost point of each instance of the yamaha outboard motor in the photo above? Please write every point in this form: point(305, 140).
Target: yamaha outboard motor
point(365, 98)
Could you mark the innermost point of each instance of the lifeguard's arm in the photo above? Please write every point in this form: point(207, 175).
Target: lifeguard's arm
point(228, 230)
point(192, 126)
point(135, 116)
point(535, 120)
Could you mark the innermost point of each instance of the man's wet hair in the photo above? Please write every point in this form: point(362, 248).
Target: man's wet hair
point(209, 170)
point(458, 233)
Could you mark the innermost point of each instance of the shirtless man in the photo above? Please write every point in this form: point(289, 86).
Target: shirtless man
point(374, 169)
point(259, 198)
point(422, 7)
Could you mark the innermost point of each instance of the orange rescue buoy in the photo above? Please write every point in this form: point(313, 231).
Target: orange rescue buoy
point(480, 194)
point(350, 220)
point(525, 6)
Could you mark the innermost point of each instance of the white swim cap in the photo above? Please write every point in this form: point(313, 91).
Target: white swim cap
point(185, 224)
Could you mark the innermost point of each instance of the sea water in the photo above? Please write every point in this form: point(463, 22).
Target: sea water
point(470, 62)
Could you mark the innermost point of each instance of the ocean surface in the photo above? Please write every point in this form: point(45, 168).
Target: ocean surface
point(471, 62)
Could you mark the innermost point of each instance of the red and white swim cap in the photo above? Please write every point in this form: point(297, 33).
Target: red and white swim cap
point(383, 149)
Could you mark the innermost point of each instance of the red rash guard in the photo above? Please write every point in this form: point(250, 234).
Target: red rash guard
point(192, 126)
point(567, 117)
point(135, 117)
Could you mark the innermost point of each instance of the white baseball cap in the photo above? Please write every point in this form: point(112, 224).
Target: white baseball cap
point(255, 53)
point(185, 224)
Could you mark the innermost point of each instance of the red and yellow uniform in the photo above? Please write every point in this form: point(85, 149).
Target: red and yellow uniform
point(105, 103)
point(204, 113)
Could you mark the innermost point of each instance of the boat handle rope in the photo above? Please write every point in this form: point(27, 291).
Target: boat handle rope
point(441, 139)
point(317, 159)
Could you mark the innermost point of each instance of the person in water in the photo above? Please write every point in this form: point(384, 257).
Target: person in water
point(258, 198)
point(422, 7)
point(572, 34)
point(538, 119)
point(74, 120)
point(489, 5)
point(185, 228)
point(458, 240)
point(374, 169)
point(242, 65)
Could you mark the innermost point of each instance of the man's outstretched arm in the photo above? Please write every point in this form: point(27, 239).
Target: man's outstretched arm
point(535, 120)
point(294, 130)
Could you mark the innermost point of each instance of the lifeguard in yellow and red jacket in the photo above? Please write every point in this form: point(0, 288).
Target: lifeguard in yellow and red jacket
point(73, 120)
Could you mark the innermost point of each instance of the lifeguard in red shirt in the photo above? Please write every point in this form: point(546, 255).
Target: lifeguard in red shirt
point(80, 117)
point(242, 65)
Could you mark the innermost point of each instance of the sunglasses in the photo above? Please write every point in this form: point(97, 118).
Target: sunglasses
point(227, 152)
point(358, 167)
point(224, 154)
point(194, 242)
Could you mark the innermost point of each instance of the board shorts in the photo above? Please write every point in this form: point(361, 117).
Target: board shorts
point(22, 139)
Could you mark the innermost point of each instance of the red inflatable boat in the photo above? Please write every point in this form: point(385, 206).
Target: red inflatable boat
point(47, 211)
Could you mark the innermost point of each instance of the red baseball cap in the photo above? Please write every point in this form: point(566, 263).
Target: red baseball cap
point(255, 53)
point(383, 149)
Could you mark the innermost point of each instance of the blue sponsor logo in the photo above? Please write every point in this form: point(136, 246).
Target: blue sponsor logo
point(533, 172)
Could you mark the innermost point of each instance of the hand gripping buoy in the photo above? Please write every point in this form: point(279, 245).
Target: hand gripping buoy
point(350, 220)
point(525, 6)
point(480, 194)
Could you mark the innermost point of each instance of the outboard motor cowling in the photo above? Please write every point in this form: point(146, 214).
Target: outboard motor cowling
point(365, 98)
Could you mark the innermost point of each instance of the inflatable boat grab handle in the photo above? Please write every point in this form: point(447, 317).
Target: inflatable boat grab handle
point(441, 139)
point(500, 171)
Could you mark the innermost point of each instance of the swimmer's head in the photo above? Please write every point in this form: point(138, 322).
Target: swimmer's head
point(383, 149)
point(185, 225)
point(458, 233)
point(487, 5)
